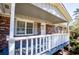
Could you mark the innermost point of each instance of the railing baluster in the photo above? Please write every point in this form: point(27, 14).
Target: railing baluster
point(54, 41)
point(47, 43)
point(59, 39)
point(51, 42)
point(63, 39)
point(20, 47)
point(43, 43)
point(40, 44)
point(31, 46)
point(36, 45)
point(27, 47)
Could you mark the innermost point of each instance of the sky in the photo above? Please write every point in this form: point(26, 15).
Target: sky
point(71, 7)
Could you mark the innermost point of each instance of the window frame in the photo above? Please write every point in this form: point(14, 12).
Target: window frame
point(26, 21)
point(26, 28)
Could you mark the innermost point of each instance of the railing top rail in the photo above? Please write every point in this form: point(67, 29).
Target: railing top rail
point(37, 36)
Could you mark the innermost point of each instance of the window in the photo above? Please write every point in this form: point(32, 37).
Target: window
point(20, 27)
point(24, 28)
point(29, 28)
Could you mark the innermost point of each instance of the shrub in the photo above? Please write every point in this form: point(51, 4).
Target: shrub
point(76, 50)
point(73, 42)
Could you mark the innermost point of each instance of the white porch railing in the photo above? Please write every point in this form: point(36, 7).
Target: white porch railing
point(35, 45)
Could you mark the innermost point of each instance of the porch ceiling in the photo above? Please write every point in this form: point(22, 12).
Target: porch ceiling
point(33, 11)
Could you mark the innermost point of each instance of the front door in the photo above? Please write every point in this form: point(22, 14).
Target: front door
point(38, 28)
point(49, 29)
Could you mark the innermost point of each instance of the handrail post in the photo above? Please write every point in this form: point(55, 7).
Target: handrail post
point(49, 38)
point(11, 40)
point(68, 32)
point(68, 37)
point(11, 46)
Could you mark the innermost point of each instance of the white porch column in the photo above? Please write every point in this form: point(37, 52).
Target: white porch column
point(11, 40)
point(69, 47)
point(68, 31)
point(43, 28)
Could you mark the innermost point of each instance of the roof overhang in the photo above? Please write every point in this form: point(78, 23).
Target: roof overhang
point(63, 10)
point(36, 12)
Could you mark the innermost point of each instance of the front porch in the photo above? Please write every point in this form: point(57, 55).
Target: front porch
point(34, 33)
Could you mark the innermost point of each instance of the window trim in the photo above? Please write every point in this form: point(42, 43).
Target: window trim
point(26, 21)
point(16, 28)
point(26, 28)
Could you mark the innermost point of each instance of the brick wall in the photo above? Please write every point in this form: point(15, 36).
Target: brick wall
point(4, 30)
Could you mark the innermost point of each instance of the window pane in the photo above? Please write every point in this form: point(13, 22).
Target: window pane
point(29, 28)
point(20, 27)
point(29, 25)
point(29, 31)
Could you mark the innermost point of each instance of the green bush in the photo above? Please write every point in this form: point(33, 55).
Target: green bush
point(71, 38)
point(73, 42)
point(76, 50)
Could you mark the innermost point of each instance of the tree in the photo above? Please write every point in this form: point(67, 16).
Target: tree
point(76, 13)
point(75, 27)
